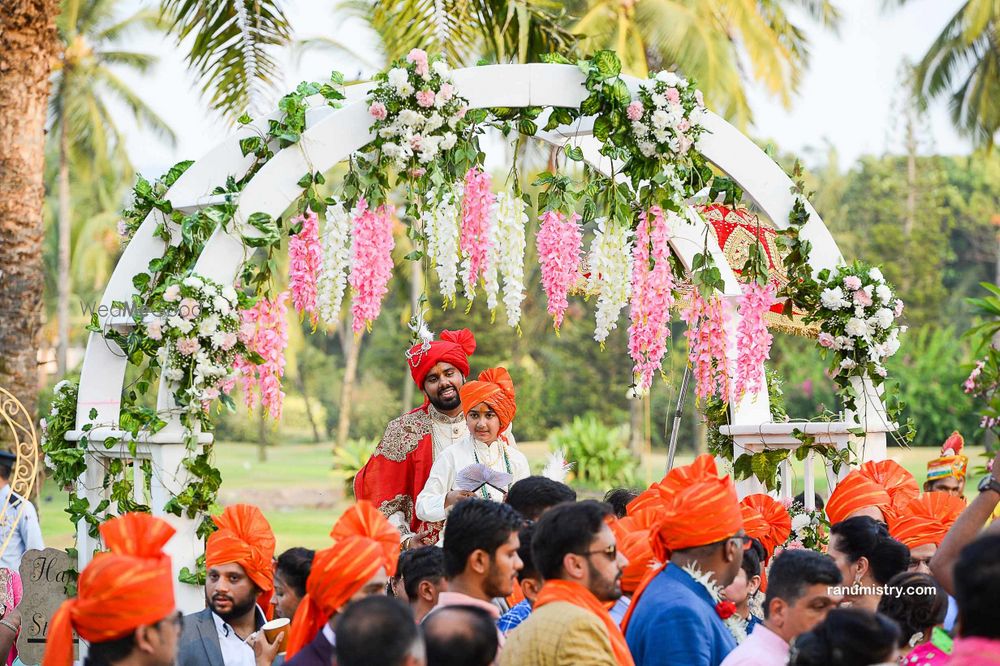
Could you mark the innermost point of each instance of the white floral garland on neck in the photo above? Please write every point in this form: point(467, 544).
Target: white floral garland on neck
point(736, 625)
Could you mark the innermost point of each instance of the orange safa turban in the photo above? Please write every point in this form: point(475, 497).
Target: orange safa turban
point(892, 476)
point(494, 387)
point(129, 586)
point(767, 520)
point(926, 519)
point(676, 479)
point(854, 493)
point(364, 542)
point(632, 537)
point(244, 537)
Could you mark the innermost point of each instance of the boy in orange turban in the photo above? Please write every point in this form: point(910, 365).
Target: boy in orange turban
point(922, 524)
point(358, 564)
point(124, 607)
point(489, 406)
point(240, 579)
point(676, 616)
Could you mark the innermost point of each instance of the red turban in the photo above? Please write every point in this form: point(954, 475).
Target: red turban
point(927, 519)
point(245, 538)
point(854, 493)
point(364, 542)
point(898, 482)
point(118, 591)
point(494, 387)
point(454, 347)
point(777, 524)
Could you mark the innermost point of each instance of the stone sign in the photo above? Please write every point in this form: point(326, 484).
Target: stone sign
point(43, 574)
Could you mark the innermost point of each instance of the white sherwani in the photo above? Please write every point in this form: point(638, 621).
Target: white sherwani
point(465, 452)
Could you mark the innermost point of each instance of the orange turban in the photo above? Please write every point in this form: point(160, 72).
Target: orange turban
point(854, 493)
point(898, 482)
point(777, 524)
point(703, 467)
point(245, 538)
point(927, 519)
point(951, 462)
point(454, 347)
point(118, 591)
point(632, 537)
point(364, 542)
point(494, 387)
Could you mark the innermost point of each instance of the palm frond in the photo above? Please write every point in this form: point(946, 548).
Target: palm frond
point(144, 114)
point(144, 19)
point(140, 62)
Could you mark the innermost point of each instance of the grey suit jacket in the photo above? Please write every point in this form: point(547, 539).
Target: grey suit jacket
point(199, 644)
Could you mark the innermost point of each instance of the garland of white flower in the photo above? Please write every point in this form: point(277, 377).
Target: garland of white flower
point(332, 281)
point(491, 280)
point(610, 263)
point(734, 623)
point(441, 222)
point(509, 244)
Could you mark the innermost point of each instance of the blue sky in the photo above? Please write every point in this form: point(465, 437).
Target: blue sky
point(850, 96)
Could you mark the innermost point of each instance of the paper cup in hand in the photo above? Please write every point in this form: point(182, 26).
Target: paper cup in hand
point(275, 627)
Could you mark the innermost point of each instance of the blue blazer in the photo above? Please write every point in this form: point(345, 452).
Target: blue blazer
point(675, 623)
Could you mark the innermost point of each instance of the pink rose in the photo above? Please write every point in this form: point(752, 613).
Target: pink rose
point(826, 340)
point(189, 308)
point(187, 346)
point(425, 98)
point(862, 298)
point(461, 113)
point(634, 111)
point(378, 111)
point(155, 330)
point(683, 125)
point(247, 332)
point(852, 282)
point(447, 90)
point(795, 545)
point(673, 96)
point(418, 172)
point(228, 341)
point(415, 141)
point(419, 58)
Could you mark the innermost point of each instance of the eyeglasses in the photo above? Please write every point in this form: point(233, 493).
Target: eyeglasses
point(917, 561)
point(611, 552)
point(745, 541)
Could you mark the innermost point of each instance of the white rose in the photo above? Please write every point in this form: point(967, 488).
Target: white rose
point(404, 90)
point(209, 325)
point(876, 275)
point(856, 328)
point(661, 136)
point(161, 355)
point(449, 141)
point(660, 119)
point(433, 122)
point(891, 346)
point(885, 317)
point(172, 293)
point(842, 342)
point(222, 305)
point(658, 100)
point(180, 323)
point(387, 132)
point(411, 118)
point(639, 129)
point(211, 291)
point(848, 364)
point(441, 68)
point(800, 521)
point(229, 294)
point(397, 77)
point(194, 282)
point(668, 78)
point(648, 148)
point(884, 294)
point(174, 374)
point(832, 299)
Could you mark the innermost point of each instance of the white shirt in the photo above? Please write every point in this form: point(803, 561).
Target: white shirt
point(235, 652)
point(27, 534)
point(467, 451)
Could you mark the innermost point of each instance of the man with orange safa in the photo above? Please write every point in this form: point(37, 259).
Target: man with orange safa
point(124, 606)
point(677, 616)
point(397, 471)
point(922, 524)
point(358, 564)
point(240, 578)
point(878, 490)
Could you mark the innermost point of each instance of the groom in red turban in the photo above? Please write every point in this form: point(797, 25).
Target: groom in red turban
point(398, 470)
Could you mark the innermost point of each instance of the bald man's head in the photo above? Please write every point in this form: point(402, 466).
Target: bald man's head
point(460, 636)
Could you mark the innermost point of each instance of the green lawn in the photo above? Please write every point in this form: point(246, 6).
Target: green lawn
point(302, 496)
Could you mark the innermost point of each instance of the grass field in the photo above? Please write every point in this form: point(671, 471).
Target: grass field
point(302, 496)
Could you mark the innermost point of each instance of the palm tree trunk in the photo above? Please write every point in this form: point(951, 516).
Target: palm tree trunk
point(352, 350)
point(63, 275)
point(28, 42)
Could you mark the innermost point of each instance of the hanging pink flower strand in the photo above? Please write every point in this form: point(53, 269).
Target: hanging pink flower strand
point(475, 236)
point(371, 262)
point(305, 255)
point(753, 340)
point(708, 345)
point(558, 241)
point(652, 297)
point(265, 331)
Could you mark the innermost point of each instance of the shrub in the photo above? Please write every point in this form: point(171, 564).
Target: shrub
point(349, 459)
point(599, 453)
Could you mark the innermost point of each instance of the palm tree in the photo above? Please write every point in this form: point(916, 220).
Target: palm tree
point(28, 42)
point(83, 81)
point(963, 64)
point(706, 40)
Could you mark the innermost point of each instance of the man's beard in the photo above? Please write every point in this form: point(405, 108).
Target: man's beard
point(238, 609)
point(448, 404)
point(602, 588)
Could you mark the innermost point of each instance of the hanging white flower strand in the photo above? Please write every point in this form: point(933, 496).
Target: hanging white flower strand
point(511, 222)
point(332, 282)
point(610, 264)
point(441, 220)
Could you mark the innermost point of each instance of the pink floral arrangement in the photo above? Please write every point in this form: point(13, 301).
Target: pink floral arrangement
point(265, 331)
point(753, 340)
point(475, 241)
point(558, 241)
point(305, 256)
point(708, 341)
point(371, 262)
point(652, 297)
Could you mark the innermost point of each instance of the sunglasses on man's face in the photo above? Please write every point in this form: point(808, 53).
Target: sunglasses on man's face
point(611, 552)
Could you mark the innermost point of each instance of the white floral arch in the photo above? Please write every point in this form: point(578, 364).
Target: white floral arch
point(332, 135)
